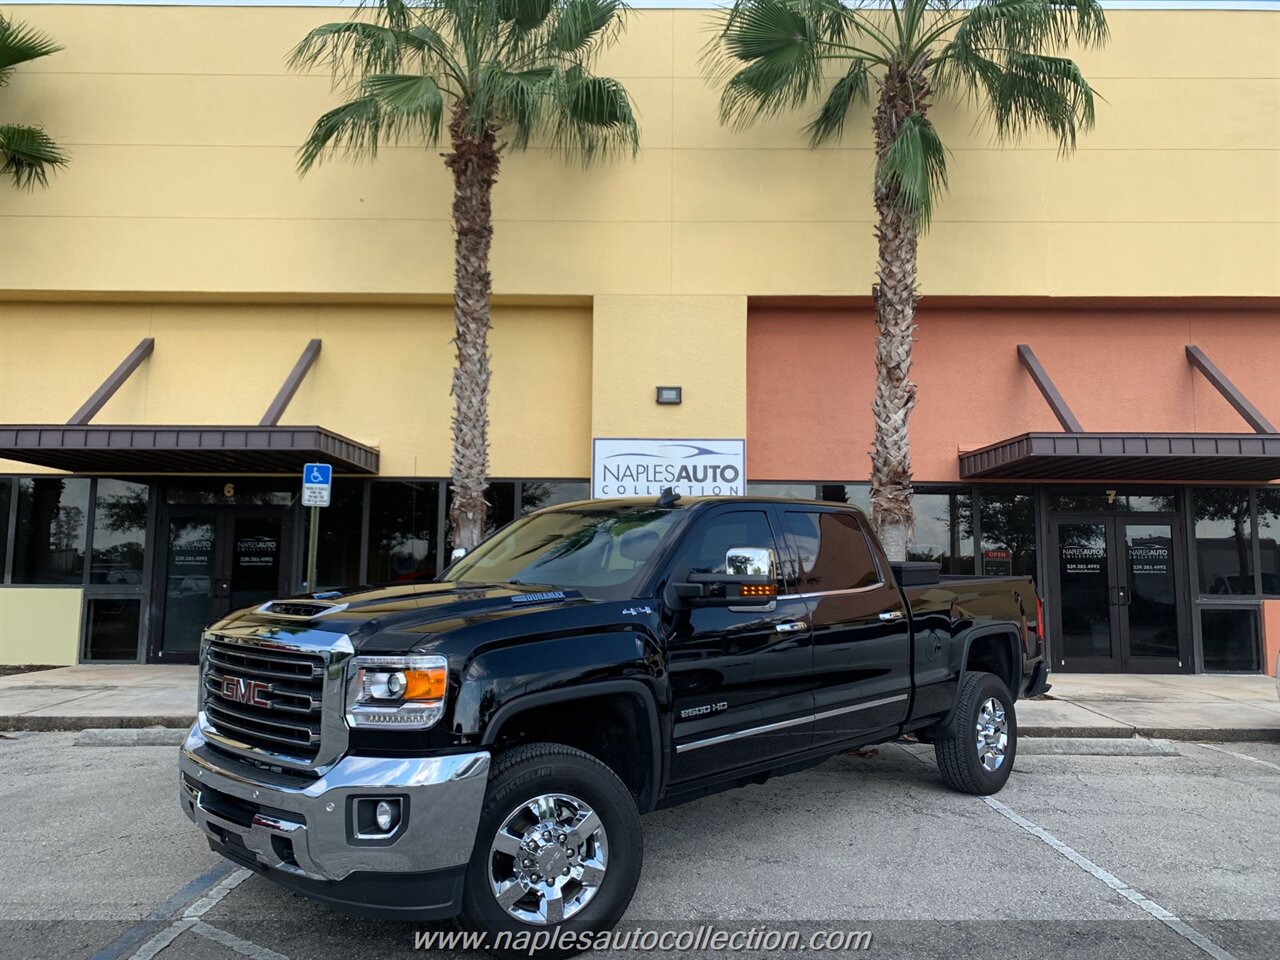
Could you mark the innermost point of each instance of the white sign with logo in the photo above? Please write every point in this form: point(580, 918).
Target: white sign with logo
point(643, 468)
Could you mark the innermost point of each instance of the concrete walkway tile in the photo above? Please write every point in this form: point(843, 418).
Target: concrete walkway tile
point(1193, 716)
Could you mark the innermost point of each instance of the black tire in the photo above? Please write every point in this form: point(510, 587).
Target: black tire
point(957, 752)
point(519, 775)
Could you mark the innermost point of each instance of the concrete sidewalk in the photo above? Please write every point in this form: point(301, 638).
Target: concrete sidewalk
point(1204, 707)
point(1172, 706)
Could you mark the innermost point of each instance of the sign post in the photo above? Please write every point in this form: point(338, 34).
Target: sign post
point(317, 484)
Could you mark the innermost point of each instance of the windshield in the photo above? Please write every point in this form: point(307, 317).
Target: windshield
point(600, 550)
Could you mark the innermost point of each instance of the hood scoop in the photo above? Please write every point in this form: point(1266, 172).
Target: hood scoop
point(299, 609)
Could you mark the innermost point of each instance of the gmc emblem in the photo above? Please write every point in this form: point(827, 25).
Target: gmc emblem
point(252, 692)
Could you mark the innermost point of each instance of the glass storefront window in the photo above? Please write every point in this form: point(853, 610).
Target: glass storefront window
point(1224, 545)
point(854, 494)
point(338, 547)
point(247, 491)
point(111, 628)
point(1008, 523)
point(403, 528)
point(944, 531)
point(501, 497)
point(49, 541)
point(791, 491)
point(1230, 639)
point(1112, 500)
point(536, 494)
point(6, 495)
point(1269, 540)
point(119, 533)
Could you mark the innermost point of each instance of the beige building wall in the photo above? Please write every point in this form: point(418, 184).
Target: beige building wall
point(183, 122)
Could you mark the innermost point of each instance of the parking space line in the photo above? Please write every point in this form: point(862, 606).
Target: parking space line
point(162, 914)
point(214, 896)
point(163, 939)
point(1170, 920)
point(245, 948)
point(1242, 756)
point(190, 920)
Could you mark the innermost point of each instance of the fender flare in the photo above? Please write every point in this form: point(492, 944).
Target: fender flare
point(947, 725)
point(638, 690)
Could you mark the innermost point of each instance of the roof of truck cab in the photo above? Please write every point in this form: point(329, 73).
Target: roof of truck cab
point(684, 503)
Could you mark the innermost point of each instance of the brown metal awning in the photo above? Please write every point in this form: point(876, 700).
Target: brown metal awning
point(101, 448)
point(1127, 456)
point(84, 447)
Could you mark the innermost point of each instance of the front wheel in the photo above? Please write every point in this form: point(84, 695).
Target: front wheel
point(558, 853)
point(977, 756)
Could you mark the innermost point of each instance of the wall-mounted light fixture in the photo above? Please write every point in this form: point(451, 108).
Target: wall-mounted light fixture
point(670, 395)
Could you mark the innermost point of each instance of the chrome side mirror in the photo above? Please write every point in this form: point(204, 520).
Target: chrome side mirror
point(749, 562)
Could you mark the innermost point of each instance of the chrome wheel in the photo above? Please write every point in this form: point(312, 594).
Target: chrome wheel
point(992, 735)
point(548, 859)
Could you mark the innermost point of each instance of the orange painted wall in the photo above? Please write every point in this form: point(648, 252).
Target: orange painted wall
point(1270, 635)
point(810, 378)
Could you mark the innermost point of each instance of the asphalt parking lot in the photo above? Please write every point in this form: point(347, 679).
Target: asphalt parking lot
point(1081, 856)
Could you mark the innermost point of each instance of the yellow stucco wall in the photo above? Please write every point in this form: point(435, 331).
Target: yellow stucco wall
point(183, 123)
point(696, 343)
point(40, 625)
point(382, 376)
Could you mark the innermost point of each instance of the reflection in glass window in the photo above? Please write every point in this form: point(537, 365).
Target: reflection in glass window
point(789, 491)
point(119, 533)
point(536, 494)
point(855, 494)
point(707, 548)
point(832, 551)
point(501, 497)
point(6, 494)
point(1224, 553)
point(49, 541)
point(1008, 532)
point(944, 531)
point(338, 548)
point(1230, 639)
point(403, 520)
point(1116, 500)
point(1269, 539)
point(112, 628)
point(249, 491)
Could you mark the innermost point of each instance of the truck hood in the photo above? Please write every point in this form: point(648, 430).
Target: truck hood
point(413, 616)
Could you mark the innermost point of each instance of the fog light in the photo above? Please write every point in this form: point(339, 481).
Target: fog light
point(384, 816)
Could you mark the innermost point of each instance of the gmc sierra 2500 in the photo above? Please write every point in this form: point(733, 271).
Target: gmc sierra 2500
point(483, 746)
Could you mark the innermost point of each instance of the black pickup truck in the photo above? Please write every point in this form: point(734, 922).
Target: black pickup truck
point(483, 746)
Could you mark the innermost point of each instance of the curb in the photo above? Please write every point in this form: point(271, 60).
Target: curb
point(43, 724)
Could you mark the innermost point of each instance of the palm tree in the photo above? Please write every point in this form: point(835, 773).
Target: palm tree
point(27, 153)
point(1004, 56)
point(498, 75)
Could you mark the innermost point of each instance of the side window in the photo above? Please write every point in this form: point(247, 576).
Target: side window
point(832, 551)
point(704, 551)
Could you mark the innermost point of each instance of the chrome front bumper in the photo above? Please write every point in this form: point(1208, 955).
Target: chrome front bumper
point(305, 827)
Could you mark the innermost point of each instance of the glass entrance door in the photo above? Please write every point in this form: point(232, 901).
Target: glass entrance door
point(218, 559)
point(1117, 594)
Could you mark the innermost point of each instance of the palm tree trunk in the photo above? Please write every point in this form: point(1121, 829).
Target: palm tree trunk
point(474, 164)
point(895, 301)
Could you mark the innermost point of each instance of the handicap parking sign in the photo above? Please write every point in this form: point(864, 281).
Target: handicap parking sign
point(317, 481)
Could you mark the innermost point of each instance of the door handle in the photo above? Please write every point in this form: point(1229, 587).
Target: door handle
point(791, 626)
point(889, 615)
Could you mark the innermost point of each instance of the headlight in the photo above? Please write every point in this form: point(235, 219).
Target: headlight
point(404, 693)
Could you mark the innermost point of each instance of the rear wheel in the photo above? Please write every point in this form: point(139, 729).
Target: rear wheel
point(977, 756)
point(558, 851)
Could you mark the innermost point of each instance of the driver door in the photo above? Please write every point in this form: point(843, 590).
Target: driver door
point(741, 676)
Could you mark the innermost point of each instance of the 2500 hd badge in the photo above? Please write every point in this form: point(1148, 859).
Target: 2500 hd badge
point(484, 746)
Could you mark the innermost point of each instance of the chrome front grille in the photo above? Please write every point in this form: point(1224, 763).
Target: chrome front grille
point(266, 697)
